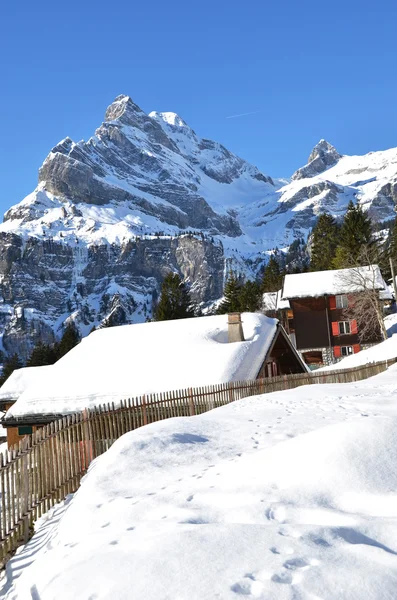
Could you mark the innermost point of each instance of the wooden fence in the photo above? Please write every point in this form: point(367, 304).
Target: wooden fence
point(48, 465)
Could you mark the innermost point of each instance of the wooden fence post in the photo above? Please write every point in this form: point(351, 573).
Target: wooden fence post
point(25, 491)
point(191, 403)
point(144, 413)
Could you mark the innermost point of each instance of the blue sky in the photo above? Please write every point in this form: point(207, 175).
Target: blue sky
point(311, 69)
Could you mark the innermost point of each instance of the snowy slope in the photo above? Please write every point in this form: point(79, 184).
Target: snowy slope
point(283, 496)
point(386, 350)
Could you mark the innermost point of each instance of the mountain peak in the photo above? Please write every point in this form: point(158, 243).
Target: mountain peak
point(322, 148)
point(124, 109)
point(323, 156)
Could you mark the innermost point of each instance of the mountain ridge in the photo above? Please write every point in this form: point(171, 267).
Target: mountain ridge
point(145, 194)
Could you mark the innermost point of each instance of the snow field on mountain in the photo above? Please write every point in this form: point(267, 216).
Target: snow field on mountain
point(282, 496)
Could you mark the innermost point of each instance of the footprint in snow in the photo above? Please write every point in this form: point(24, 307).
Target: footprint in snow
point(296, 563)
point(248, 586)
point(282, 550)
point(276, 513)
point(284, 577)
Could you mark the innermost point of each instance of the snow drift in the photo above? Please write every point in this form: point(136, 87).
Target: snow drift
point(282, 496)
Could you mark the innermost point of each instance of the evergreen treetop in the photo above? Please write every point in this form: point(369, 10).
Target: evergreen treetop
point(355, 233)
point(10, 364)
point(42, 354)
point(392, 242)
point(324, 243)
point(272, 276)
point(232, 292)
point(175, 302)
point(69, 340)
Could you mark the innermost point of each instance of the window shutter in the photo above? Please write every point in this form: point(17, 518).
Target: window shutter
point(337, 352)
point(332, 302)
point(335, 328)
point(353, 326)
point(356, 348)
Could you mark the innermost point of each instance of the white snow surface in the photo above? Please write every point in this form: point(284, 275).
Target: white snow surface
point(274, 301)
point(269, 301)
point(386, 350)
point(276, 497)
point(21, 379)
point(391, 324)
point(116, 363)
point(338, 281)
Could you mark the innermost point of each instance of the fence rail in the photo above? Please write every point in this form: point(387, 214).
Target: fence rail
point(48, 465)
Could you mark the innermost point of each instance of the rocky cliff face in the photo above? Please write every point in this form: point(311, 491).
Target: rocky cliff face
point(45, 283)
point(144, 195)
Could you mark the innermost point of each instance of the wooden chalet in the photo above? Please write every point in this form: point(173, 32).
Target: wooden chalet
point(11, 390)
point(318, 300)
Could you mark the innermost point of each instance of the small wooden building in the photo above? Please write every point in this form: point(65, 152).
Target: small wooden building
point(11, 390)
point(318, 302)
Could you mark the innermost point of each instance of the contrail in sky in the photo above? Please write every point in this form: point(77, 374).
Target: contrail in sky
point(255, 112)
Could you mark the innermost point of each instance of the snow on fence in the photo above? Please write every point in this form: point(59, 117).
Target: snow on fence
point(47, 466)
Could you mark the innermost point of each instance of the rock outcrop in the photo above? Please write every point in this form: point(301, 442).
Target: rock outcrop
point(323, 156)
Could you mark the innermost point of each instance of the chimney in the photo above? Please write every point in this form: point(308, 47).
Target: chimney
point(235, 328)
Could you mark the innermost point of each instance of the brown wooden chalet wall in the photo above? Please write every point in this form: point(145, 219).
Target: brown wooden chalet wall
point(311, 322)
point(313, 319)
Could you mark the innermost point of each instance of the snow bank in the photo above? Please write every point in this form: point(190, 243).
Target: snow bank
point(386, 350)
point(391, 324)
point(21, 379)
point(121, 362)
point(288, 495)
point(339, 281)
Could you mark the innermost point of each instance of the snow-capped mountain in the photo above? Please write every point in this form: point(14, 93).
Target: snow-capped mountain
point(146, 194)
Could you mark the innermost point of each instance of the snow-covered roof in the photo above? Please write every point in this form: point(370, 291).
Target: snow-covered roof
point(21, 379)
point(274, 301)
point(116, 363)
point(282, 304)
point(269, 301)
point(339, 281)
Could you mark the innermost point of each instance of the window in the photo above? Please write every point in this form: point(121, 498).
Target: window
point(346, 350)
point(344, 327)
point(341, 301)
point(25, 430)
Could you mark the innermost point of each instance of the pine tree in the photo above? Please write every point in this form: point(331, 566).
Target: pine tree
point(42, 354)
point(9, 366)
point(175, 302)
point(250, 296)
point(324, 243)
point(392, 242)
point(272, 276)
point(232, 295)
point(355, 234)
point(69, 340)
